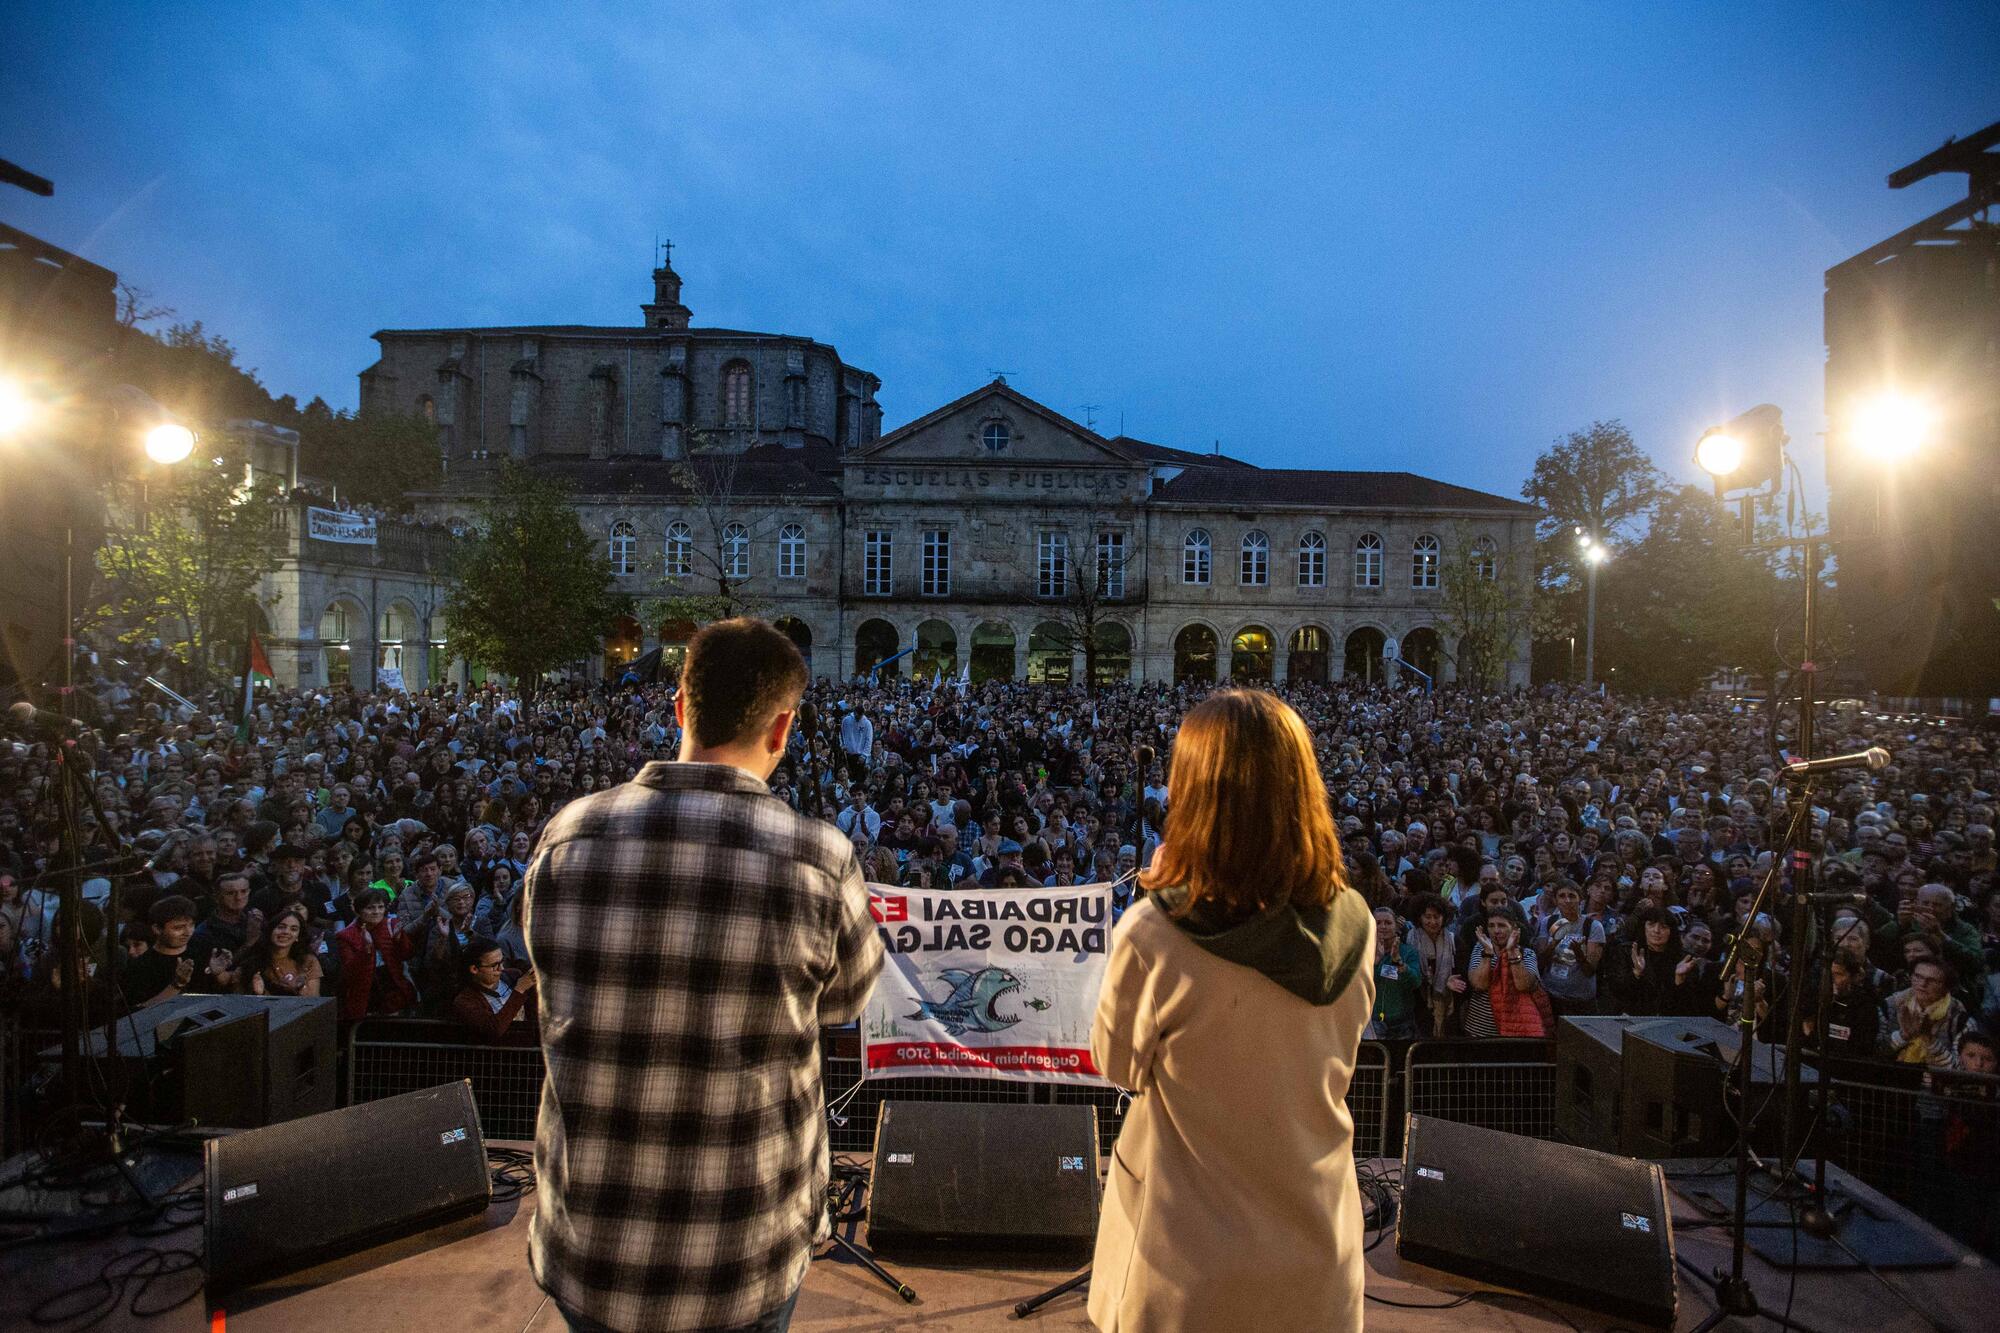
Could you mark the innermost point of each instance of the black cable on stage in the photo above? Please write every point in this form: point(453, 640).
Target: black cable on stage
point(513, 1173)
point(123, 1285)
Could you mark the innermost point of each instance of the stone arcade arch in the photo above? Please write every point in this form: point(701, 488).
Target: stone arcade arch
point(992, 655)
point(674, 636)
point(622, 642)
point(1423, 650)
point(338, 625)
point(1051, 654)
point(399, 645)
point(875, 641)
point(1363, 657)
point(1306, 655)
point(1113, 643)
point(791, 627)
point(937, 651)
point(1251, 656)
point(1194, 655)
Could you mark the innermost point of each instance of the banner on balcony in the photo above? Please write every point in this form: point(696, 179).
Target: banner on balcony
point(987, 983)
point(331, 525)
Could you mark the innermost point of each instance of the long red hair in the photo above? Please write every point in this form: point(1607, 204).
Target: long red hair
point(1249, 825)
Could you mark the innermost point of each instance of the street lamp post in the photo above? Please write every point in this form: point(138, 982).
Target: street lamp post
point(1594, 553)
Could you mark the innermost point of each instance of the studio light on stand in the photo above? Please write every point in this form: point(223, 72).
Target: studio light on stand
point(1745, 456)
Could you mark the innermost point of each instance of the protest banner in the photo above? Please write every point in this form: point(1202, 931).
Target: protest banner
point(987, 983)
point(331, 525)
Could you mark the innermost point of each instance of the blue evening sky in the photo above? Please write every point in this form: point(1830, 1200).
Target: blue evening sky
point(1420, 236)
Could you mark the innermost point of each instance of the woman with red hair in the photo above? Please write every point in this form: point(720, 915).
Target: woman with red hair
point(1232, 1007)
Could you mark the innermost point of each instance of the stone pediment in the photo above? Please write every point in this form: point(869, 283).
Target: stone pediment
point(995, 426)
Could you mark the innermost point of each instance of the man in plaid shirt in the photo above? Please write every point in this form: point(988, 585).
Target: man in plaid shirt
point(691, 935)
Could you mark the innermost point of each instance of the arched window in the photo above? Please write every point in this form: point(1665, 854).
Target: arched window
point(736, 394)
point(735, 551)
point(1424, 562)
point(1312, 560)
point(1195, 553)
point(792, 551)
point(680, 551)
point(1253, 569)
point(624, 548)
point(1368, 561)
point(1485, 562)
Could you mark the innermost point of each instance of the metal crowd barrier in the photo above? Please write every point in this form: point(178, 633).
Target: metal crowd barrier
point(1503, 1083)
point(388, 1056)
point(1933, 1147)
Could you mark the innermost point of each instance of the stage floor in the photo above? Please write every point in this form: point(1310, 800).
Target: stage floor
point(474, 1275)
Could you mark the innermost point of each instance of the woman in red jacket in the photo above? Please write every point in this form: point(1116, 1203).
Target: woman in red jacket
point(373, 951)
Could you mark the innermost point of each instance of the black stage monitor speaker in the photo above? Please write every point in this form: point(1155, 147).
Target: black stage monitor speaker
point(1588, 1073)
point(175, 1066)
point(1545, 1218)
point(1009, 1176)
point(1676, 1080)
point(292, 1195)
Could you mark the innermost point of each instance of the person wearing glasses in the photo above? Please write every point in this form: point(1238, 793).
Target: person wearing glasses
point(488, 1001)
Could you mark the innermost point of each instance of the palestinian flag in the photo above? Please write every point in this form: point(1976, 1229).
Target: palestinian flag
point(256, 667)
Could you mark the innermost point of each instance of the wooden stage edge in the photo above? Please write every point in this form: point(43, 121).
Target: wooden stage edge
point(474, 1274)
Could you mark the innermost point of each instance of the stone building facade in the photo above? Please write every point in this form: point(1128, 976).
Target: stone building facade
point(992, 534)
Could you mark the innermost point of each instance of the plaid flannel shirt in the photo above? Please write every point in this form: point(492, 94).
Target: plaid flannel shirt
point(691, 935)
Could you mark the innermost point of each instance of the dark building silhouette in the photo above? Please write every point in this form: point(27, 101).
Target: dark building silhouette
point(1918, 315)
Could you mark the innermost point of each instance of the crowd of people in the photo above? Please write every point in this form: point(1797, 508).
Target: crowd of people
point(1528, 856)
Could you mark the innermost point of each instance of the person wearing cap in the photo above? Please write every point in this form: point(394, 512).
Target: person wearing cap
point(1006, 864)
point(289, 885)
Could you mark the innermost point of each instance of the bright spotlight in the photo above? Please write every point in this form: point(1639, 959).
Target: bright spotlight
point(1891, 426)
point(1719, 453)
point(169, 442)
point(15, 408)
point(1595, 552)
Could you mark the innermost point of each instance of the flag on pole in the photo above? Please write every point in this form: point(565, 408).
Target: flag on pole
point(965, 675)
point(256, 666)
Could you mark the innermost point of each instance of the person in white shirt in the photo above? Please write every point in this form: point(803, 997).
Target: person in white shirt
point(857, 736)
point(859, 815)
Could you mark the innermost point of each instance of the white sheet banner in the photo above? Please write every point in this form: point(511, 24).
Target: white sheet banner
point(987, 983)
point(331, 525)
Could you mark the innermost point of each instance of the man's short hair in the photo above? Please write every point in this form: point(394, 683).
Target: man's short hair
point(737, 675)
point(173, 907)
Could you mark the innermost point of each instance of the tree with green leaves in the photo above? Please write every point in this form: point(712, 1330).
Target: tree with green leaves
point(372, 458)
point(1596, 479)
point(184, 563)
point(531, 590)
point(1687, 599)
point(1484, 603)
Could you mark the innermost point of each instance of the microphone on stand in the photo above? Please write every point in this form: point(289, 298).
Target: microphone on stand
point(1874, 759)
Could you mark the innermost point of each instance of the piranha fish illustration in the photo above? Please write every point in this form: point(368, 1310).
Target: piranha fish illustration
point(973, 1003)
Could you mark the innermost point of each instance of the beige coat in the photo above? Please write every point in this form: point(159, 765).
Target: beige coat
point(1231, 1203)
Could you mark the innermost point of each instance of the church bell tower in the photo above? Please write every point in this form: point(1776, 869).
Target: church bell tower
point(665, 311)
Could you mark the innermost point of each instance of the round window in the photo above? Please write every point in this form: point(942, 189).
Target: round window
point(996, 437)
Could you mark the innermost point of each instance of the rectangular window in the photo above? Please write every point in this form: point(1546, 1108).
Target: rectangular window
point(937, 563)
point(1052, 564)
point(1111, 564)
point(878, 561)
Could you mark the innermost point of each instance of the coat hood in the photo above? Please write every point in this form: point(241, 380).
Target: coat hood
point(1313, 952)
